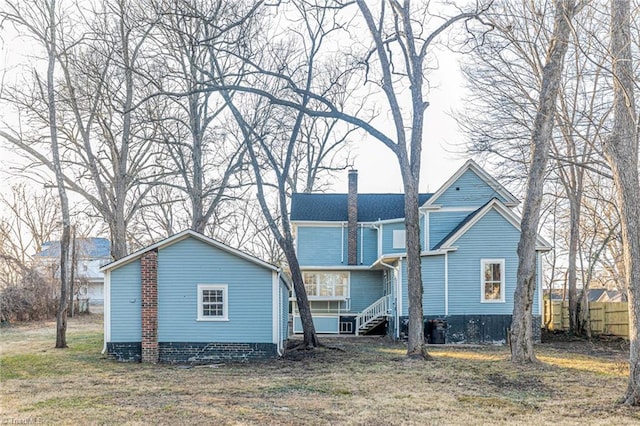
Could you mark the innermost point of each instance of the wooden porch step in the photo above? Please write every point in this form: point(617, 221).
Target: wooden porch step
point(372, 324)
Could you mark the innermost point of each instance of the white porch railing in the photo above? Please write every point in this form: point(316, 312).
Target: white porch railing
point(376, 310)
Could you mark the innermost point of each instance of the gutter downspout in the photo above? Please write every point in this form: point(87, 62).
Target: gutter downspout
point(342, 242)
point(279, 346)
point(362, 243)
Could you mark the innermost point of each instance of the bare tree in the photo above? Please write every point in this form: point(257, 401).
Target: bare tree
point(42, 20)
point(107, 144)
point(505, 76)
point(30, 220)
point(399, 38)
point(621, 150)
point(193, 127)
point(289, 151)
point(521, 333)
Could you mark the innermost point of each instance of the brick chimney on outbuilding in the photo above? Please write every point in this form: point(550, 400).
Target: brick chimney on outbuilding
point(352, 224)
point(149, 283)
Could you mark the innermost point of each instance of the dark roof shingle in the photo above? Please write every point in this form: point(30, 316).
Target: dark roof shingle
point(87, 248)
point(333, 207)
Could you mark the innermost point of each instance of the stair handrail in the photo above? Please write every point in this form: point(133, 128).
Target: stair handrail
point(377, 309)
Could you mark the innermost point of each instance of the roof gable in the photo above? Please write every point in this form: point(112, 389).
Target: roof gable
point(333, 207)
point(470, 185)
point(467, 223)
point(180, 237)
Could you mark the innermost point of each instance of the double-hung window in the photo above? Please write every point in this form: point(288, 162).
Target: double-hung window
point(212, 302)
point(492, 280)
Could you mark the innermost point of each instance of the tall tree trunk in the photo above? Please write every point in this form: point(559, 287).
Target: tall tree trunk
point(584, 326)
point(118, 231)
point(575, 201)
point(198, 222)
point(621, 151)
point(415, 338)
point(61, 316)
point(74, 268)
point(521, 333)
point(282, 234)
point(310, 339)
point(121, 176)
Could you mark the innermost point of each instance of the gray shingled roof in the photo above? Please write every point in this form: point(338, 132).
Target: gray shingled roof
point(87, 248)
point(333, 207)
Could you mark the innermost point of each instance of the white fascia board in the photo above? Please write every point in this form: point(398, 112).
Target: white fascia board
point(393, 257)
point(329, 223)
point(382, 260)
point(387, 221)
point(334, 268)
point(507, 213)
point(511, 200)
point(441, 209)
point(438, 252)
point(179, 237)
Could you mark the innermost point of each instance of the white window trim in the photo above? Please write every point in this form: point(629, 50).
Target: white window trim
point(330, 298)
point(399, 239)
point(483, 262)
point(225, 302)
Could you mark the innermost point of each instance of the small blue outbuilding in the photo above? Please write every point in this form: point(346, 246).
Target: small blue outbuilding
point(191, 299)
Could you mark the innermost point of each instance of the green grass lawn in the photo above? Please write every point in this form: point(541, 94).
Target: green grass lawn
point(368, 381)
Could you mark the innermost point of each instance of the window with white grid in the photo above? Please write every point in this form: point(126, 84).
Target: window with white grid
point(212, 302)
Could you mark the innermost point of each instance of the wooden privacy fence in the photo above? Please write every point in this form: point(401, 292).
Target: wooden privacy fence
point(606, 317)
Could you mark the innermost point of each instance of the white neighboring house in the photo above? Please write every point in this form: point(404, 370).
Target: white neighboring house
point(91, 255)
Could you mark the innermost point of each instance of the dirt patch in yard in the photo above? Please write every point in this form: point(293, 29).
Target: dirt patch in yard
point(368, 380)
point(603, 346)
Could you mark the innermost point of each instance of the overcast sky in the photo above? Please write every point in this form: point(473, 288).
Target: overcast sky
point(377, 166)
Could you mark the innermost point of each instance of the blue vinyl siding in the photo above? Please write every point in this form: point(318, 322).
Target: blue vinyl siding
point(184, 265)
point(403, 287)
point(472, 192)
point(366, 288)
point(321, 245)
point(492, 237)
point(367, 246)
point(387, 237)
point(433, 285)
point(442, 223)
point(126, 290)
point(327, 245)
point(322, 324)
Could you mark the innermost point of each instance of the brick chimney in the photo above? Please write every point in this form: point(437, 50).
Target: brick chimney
point(352, 224)
point(149, 282)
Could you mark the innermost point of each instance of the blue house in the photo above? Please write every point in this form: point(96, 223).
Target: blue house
point(191, 299)
point(351, 248)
